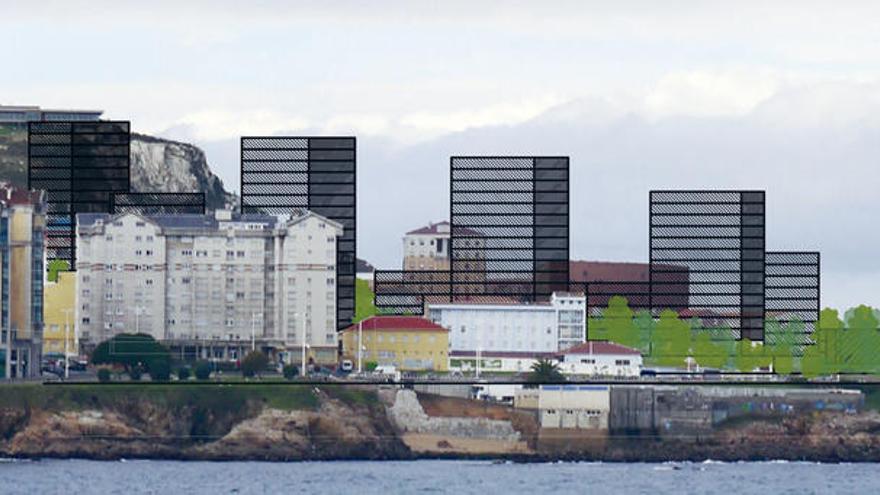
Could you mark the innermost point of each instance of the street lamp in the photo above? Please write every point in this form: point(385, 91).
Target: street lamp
point(66, 342)
point(360, 346)
point(302, 371)
point(253, 334)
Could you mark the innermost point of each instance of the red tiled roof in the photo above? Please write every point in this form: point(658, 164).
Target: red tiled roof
point(403, 323)
point(432, 228)
point(600, 347)
point(502, 354)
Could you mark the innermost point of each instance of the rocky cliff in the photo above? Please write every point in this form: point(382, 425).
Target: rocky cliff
point(300, 422)
point(157, 165)
point(170, 166)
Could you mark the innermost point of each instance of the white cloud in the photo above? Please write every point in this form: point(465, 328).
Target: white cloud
point(219, 124)
point(705, 93)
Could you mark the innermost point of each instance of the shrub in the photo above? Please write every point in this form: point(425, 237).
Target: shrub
point(135, 373)
point(290, 371)
point(103, 375)
point(183, 373)
point(371, 366)
point(253, 364)
point(203, 370)
point(130, 351)
point(160, 370)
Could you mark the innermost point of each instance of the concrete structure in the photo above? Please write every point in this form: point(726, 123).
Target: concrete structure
point(22, 114)
point(408, 343)
point(211, 283)
point(595, 358)
point(59, 316)
point(22, 257)
point(574, 406)
point(523, 328)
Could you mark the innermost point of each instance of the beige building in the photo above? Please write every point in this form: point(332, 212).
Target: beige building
point(213, 285)
point(59, 315)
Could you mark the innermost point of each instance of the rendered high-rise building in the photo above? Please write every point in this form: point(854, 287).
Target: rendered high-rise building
point(282, 174)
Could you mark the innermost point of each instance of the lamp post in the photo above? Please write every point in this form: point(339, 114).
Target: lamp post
point(302, 371)
point(253, 334)
point(66, 342)
point(360, 346)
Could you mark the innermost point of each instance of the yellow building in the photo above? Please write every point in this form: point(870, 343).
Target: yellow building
point(58, 311)
point(408, 343)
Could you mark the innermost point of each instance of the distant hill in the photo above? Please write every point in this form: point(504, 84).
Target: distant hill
point(156, 165)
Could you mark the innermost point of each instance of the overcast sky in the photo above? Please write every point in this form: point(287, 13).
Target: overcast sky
point(782, 97)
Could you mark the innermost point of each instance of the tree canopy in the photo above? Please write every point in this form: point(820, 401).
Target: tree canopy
point(133, 351)
point(545, 371)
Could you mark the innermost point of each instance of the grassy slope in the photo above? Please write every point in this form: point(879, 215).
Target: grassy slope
point(212, 396)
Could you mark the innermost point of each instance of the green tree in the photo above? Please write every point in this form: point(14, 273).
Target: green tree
point(160, 369)
point(618, 323)
point(103, 375)
point(823, 356)
point(781, 343)
point(56, 266)
point(862, 341)
point(545, 371)
point(254, 364)
point(290, 371)
point(183, 373)
point(707, 353)
point(645, 323)
point(203, 370)
point(364, 305)
point(670, 341)
point(751, 356)
point(131, 351)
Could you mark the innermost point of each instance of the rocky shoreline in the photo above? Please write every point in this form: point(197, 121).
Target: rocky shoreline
point(226, 423)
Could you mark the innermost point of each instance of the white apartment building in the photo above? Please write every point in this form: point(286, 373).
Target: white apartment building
point(427, 248)
point(513, 328)
point(222, 281)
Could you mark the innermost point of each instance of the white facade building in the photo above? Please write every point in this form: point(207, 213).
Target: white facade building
point(210, 278)
point(599, 358)
point(513, 328)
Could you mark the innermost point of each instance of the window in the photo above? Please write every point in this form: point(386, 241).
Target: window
point(149, 238)
point(621, 362)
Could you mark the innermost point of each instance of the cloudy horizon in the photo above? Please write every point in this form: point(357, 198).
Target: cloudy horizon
point(783, 97)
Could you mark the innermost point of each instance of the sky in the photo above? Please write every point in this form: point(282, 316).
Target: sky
point(781, 96)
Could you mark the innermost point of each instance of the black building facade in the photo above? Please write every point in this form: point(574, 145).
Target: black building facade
point(281, 174)
point(509, 226)
point(80, 165)
point(158, 203)
point(718, 238)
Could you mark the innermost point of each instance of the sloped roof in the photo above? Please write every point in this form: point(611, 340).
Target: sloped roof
point(601, 348)
point(402, 323)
